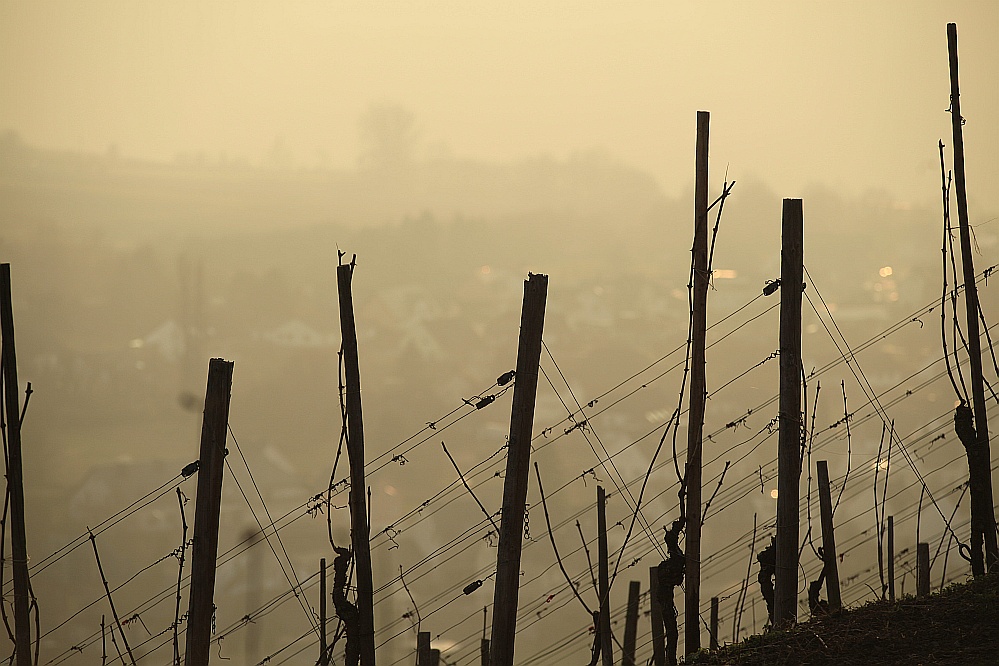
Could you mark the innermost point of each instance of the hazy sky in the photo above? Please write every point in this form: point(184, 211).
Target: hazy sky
point(848, 94)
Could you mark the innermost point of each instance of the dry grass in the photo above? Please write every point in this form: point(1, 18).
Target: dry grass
point(957, 626)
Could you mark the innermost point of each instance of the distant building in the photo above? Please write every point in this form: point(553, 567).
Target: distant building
point(298, 334)
point(168, 339)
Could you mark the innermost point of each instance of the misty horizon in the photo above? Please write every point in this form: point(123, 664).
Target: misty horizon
point(851, 96)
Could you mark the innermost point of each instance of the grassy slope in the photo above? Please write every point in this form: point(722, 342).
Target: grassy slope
point(958, 626)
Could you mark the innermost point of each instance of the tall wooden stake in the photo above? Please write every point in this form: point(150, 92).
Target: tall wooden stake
point(114, 611)
point(423, 648)
point(695, 418)
point(603, 580)
point(828, 539)
point(891, 559)
point(15, 477)
point(484, 642)
point(206, 512)
point(631, 623)
point(518, 460)
point(359, 528)
point(254, 592)
point(922, 569)
point(714, 623)
point(324, 657)
point(789, 416)
point(983, 521)
point(658, 634)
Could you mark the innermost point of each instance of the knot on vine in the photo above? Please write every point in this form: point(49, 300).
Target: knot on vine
point(345, 610)
point(964, 424)
point(768, 572)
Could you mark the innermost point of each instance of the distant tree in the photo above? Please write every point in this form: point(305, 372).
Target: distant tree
point(388, 135)
point(279, 155)
point(12, 144)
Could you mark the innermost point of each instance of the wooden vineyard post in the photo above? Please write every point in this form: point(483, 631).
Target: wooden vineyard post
point(484, 642)
point(714, 624)
point(983, 521)
point(525, 391)
point(695, 420)
point(114, 611)
point(922, 569)
point(891, 559)
point(631, 623)
point(828, 539)
point(359, 528)
point(254, 593)
point(658, 635)
point(206, 512)
point(603, 580)
point(789, 416)
point(15, 476)
point(423, 648)
point(324, 657)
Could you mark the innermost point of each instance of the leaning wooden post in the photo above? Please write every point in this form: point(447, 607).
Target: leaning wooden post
point(983, 521)
point(695, 419)
point(789, 416)
point(891, 559)
point(518, 460)
point(359, 528)
point(603, 580)
point(714, 624)
point(830, 561)
point(206, 512)
point(324, 657)
point(631, 623)
point(423, 657)
point(656, 615)
point(114, 611)
point(484, 642)
point(15, 476)
point(922, 569)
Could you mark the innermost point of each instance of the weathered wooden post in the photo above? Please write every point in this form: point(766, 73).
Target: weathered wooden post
point(922, 569)
point(830, 563)
point(15, 476)
point(114, 611)
point(658, 635)
point(206, 512)
point(976, 442)
point(695, 417)
point(891, 559)
point(324, 657)
point(359, 528)
point(789, 416)
point(631, 623)
point(484, 642)
point(507, 588)
point(603, 580)
point(714, 623)
point(254, 592)
point(423, 652)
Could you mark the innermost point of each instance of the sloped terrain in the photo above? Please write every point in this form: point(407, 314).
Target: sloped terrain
point(960, 625)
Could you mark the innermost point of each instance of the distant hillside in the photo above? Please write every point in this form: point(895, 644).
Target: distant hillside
point(956, 626)
point(125, 195)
